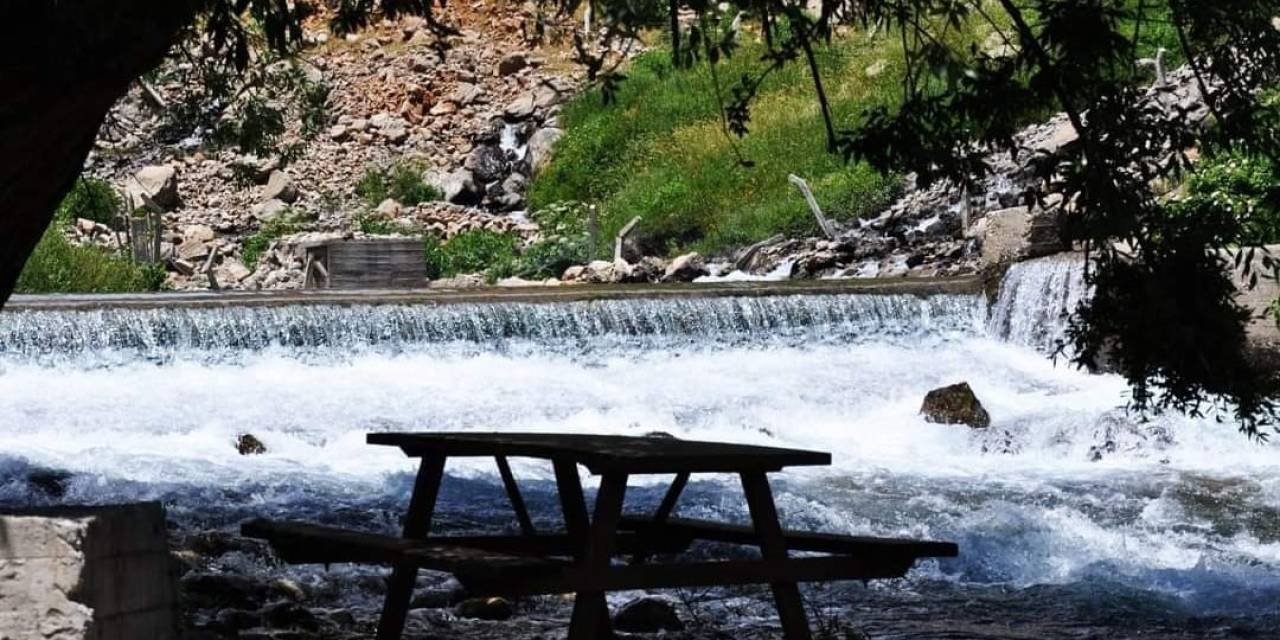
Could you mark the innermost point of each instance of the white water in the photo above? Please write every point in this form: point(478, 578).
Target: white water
point(1064, 489)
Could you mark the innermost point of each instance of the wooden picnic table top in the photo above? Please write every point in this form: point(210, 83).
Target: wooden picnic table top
point(604, 453)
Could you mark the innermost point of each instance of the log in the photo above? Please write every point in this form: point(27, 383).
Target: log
point(823, 223)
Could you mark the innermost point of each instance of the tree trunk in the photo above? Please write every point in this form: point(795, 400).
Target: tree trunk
point(62, 66)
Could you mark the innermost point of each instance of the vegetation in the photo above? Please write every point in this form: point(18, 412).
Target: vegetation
point(659, 151)
point(403, 182)
point(287, 222)
point(59, 266)
point(91, 199)
point(478, 251)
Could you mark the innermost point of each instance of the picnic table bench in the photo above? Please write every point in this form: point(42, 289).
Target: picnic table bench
point(579, 559)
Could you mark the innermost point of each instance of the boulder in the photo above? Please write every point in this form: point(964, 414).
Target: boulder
point(257, 169)
point(541, 144)
point(465, 94)
point(521, 108)
point(198, 232)
point(389, 208)
point(647, 614)
point(269, 210)
point(459, 187)
point(339, 133)
point(686, 268)
point(955, 404)
point(159, 183)
point(488, 163)
point(280, 187)
point(192, 250)
point(511, 64)
point(485, 609)
point(249, 445)
point(231, 271)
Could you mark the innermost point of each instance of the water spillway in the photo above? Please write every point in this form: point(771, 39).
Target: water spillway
point(1065, 499)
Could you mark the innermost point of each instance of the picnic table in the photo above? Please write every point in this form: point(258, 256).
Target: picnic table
point(579, 560)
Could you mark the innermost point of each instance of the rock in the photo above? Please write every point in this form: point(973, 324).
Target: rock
point(396, 135)
point(465, 94)
point(231, 271)
point(485, 609)
point(488, 163)
point(521, 108)
point(648, 614)
point(877, 68)
point(184, 267)
point(198, 232)
point(85, 226)
point(339, 133)
point(280, 187)
point(159, 183)
point(289, 615)
point(540, 147)
point(237, 619)
point(686, 268)
point(955, 404)
point(249, 445)
point(50, 482)
point(389, 208)
point(269, 210)
point(193, 250)
point(255, 168)
point(459, 187)
point(512, 63)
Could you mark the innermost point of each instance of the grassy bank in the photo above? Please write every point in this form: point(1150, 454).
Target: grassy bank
point(661, 152)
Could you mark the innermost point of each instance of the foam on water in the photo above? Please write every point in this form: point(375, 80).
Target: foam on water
point(1064, 488)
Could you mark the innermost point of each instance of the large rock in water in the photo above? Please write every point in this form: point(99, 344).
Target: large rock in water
point(955, 404)
point(74, 573)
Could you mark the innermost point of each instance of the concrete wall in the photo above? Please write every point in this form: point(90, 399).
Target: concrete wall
point(97, 573)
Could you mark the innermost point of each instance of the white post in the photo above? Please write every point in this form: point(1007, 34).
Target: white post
point(823, 223)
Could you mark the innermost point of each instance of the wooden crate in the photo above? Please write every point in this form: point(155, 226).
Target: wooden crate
point(366, 264)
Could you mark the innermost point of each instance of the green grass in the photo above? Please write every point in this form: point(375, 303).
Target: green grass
point(404, 182)
point(479, 251)
point(58, 266)
point(661, 153)
point(282, 225)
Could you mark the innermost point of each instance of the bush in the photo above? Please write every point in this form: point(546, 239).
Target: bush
point(403, 182)
point(480, 251)
point(253, 246)
point(564, 241)
point(92, 199)
point(1240, 185)
point(59, 266)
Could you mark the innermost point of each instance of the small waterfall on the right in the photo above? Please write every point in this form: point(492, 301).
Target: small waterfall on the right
point(1037, 298)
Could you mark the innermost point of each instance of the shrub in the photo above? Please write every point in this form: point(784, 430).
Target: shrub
point(480, 251)
point(282, 225)
point(59, 266)
point(564, 241)
point(92, 199)
point(1240, 185)
point(377, 226)
point(404, 182)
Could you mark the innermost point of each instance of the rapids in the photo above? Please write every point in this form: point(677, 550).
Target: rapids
point(1065, 492)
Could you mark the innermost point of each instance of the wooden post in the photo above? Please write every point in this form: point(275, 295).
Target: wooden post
point(417, 526)
point(773, 546)
point(622, 237)
point(593, 232)
point(823, 223)
point(208, 269)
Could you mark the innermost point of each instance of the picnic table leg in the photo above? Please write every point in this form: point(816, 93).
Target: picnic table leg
point(513, 494)
point(590, 609)
point(773, 546)
point(417, 525)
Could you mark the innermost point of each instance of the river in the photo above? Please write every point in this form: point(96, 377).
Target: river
point(1074, 519)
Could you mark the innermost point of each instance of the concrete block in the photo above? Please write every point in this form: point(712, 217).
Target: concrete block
point(86, 573)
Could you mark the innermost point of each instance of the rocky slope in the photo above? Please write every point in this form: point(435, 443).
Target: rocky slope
point(476, 115)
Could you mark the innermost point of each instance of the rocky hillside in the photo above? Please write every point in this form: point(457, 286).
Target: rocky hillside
point(472, 117)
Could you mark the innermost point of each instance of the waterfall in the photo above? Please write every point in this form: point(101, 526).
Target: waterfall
point(1037, 299)
point(126, 334)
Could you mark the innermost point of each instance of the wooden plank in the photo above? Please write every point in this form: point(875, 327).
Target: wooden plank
point(513, 494)
point(371, 264)
point(773, 546)
point(303, 543)
point(669, 501)
point(684, 528)
point(603, 453)
point(709, 574)
point(417, 525)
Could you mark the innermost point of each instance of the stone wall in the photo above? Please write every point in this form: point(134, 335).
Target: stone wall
point(97, 573)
